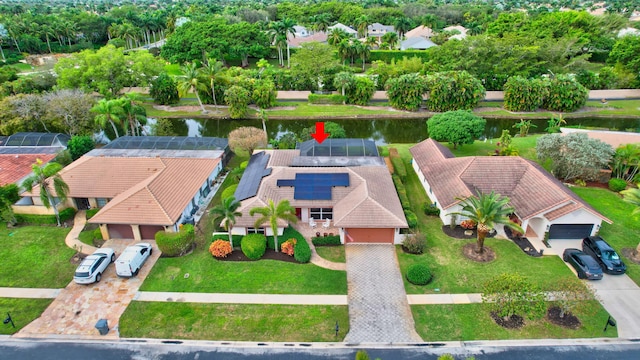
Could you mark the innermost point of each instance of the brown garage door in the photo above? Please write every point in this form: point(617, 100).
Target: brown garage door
point(361, 235)
point(148, 232)
point(119, 231)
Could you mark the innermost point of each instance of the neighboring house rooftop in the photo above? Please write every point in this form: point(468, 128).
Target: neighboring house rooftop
point(417, 43)
point(317, 37)
point(422, 31)
point(531, 189)
point(461, 29)
point(15, 167)
point(18, 152)
point(35, 139)
point(347, 29)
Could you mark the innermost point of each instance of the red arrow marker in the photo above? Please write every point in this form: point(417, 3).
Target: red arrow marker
point(320, 135)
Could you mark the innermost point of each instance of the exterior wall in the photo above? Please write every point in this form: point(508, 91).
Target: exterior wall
point(239, 230)
point(539, 225)
point(397, 237)
point(199, 195)
point(38, 209)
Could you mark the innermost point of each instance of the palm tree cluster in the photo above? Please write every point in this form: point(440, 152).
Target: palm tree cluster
point(203, 78)
point(279, 32)
point(126, 112)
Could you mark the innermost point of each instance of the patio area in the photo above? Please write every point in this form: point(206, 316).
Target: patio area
point(308, 230)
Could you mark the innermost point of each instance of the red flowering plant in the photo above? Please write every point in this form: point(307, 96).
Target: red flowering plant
point(288, 246)
point(220, 248)
point(468, 224)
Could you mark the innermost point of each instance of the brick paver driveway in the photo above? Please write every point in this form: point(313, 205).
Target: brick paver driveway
point(378, 307)
point(77, 308)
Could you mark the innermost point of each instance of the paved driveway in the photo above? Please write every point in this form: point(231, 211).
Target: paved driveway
point(619, 295)
point(78, 307)
point(378, 307)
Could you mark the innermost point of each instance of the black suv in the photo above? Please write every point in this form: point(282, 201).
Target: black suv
point(608, 258)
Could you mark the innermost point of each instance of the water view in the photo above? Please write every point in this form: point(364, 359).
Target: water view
point(383, 131)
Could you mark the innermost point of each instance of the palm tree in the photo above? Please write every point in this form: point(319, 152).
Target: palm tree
point(343, 80)
point(264, 117)
point(344, 47)
point(487, 210)
point(336, 36)
point(227, 212)
point(189, 81)
point(320, 22)
point(135, 114)
point(43, 176)
point(362, 24)
point(272, 213)
point(372, 42)
point(108, 111)
point(364, 50)
point(430, 21)
point(288, 28)
point(212, 70)
point(402, 25)
point(390, 38)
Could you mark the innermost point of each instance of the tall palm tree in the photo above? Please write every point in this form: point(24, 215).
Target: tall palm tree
point(487, 210)
point(402, 25)
point(321, 22)
point(364, 50)
point(390, 38)
point(44, 176)
point(430, 21)
point(189, 81)
point(48, 31)
point(288, 29)
point(344, 50)
point(227, 212)
point(108, 111)
point(212, 70)
point(372, 41)
point(343, 80)
point(272, 213)
point(362, 25)
point(134, 113)
point(336, 36)
point(279, 38)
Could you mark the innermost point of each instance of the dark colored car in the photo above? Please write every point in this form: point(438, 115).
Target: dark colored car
point(586, 266)
point(604, 254)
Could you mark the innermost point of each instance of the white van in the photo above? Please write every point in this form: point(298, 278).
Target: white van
point(132, 258)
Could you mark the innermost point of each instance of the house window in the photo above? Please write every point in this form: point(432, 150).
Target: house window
point(255, 230)
point(321, 213)
point(101, 202)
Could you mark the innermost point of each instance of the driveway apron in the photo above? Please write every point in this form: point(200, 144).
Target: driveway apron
point(77, 308)
point(620, 296)
point(378, 306)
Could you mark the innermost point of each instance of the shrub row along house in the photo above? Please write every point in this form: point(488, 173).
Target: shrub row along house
point(546, 207)
point(340, 185)
point(141, 185)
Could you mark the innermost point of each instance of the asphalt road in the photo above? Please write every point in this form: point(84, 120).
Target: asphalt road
point(45, 350)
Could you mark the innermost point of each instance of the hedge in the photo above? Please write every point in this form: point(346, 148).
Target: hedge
point(397, 55)
point(302, 252)
point(65, 215)
point(253, 246)
point(402, 192)
point(399, 167)
point(326, 240)
point(335, 99)
point(412, 219)
point(173, 244)
point(236, 238)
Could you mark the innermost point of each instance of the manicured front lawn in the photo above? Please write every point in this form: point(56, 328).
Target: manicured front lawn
point(23, 311)
point(473, 322)
point(35, 256)
point(625, 230)
point(332, 253)
point(206, 274)
point(303, 109)
point(281, 323)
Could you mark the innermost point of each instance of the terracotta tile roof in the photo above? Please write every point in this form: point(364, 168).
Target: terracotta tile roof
point(368, 201)
point(282, 157)
point(15, 167)
point(421, 30)
point(562, 211)
point(149, 191)
point(531, 189)
point(297, 41)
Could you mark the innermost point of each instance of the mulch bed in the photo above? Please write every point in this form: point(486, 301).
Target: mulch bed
point(469, 250)
point(458, 232)
point(238, 255)
point(523, 243)
point(513, 322)
point(568, 321)
point(630, 253)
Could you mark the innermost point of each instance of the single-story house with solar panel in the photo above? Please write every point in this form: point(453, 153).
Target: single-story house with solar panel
point(341, 186)
point(546, 207)
point(141, 185)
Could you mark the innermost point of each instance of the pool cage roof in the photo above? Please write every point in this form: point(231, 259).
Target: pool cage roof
point(35, 139)
point(168, 143)
point(338, 147)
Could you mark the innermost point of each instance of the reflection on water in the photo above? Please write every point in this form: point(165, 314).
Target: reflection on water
point(383, 131)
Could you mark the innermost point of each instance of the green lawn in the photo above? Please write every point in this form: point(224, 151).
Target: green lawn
point(473, 322)
point(625, 230)
point(452, 271)
point(304, 109)
point(23, 311)
point(30, 254)
point(86, 237)
point(332, 253)
point(613, 107)
point(281, 323)
point(526, 147)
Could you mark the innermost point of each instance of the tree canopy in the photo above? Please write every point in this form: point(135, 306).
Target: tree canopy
point(456, 127)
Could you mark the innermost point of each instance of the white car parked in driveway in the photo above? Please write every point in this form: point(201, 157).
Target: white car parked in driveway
point(91, 268)
point(132, 258)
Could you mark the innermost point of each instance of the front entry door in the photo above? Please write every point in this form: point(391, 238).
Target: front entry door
point(82, 203)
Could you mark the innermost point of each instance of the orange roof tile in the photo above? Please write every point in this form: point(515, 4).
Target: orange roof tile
point(15, 167)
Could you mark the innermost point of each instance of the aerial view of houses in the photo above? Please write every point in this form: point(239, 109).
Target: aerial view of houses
point(325, 172)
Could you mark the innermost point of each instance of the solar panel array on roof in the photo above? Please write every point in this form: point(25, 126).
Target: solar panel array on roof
point(36, 139)
point(168, 143)
point(315, 186)
point(253, 174)
point(338, 147)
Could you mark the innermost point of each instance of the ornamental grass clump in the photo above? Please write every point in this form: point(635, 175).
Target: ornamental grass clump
point(419, 274)
point(220, 248)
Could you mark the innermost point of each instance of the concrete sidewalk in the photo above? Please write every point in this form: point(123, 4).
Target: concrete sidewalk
point(72, 238)
point(29, 293)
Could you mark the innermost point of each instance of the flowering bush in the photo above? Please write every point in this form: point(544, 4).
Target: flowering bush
point(289, 246)
point(220, 248)
point(468, 224)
